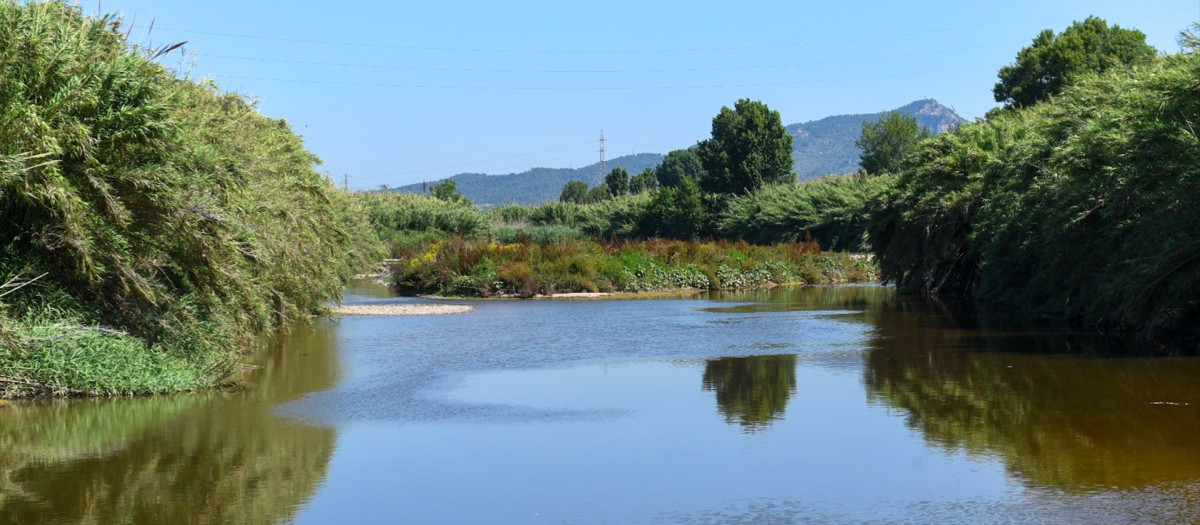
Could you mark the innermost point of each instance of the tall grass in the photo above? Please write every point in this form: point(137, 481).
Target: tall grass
point(1085, 206)
point(176, 218)
point(832, 210)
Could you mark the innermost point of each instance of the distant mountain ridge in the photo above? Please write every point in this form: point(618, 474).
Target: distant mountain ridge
point(819, 147)
point(826, 146)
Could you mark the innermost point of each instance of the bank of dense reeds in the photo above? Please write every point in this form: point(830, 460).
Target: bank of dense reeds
point(168, 222)
point(477, 267)
point(1085, 206)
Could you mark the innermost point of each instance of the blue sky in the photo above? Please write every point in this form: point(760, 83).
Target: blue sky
point(400, 92)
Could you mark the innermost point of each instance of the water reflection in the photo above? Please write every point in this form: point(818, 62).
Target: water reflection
point(197, 458)
point(752, 391)
point(1044, 402)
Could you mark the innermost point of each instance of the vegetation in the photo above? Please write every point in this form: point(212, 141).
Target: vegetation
point(463, 266)
point(885, 142)
point(574, 191)
point(679, 165)
point(1083, 205)
point(833, 211)
point(152, 224)
point(1053, 62)
point(617, 182)
point(749, 149)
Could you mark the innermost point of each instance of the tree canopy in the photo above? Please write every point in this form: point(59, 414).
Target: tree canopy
point(574, 191)
point(617, 181)
point(750, 148)
point(1054, 61)
point(678, 165)
point(643, 182)
point(448, 191)
point(885, 142)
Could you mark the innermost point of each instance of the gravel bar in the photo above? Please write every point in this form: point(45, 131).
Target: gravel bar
point(401, 309)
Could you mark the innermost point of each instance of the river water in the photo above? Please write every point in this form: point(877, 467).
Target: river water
point(800, 405)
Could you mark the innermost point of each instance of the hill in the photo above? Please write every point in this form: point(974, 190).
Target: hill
point(827, 145)
point(537, 185)
point(819, 147)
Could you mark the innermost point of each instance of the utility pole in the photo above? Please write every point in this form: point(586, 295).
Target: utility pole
point(602, 172)
point(345, 182)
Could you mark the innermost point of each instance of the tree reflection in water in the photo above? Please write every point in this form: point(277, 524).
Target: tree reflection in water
point(1061, 410)
point(752, 391)
point(213, 457)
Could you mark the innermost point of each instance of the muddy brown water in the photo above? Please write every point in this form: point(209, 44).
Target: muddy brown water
point(801, 405)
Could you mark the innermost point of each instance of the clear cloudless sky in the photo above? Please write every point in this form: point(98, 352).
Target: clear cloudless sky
point(398, 92)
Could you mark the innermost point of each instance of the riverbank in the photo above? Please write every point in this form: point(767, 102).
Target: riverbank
point(473, 267)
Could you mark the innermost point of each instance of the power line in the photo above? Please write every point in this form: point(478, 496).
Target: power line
point(782, 45)
point(608, 88)
point(875, 58)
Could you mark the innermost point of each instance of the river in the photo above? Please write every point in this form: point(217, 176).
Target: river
point(797, 405)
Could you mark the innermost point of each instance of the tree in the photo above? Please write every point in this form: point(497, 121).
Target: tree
point(617, 181)
point(1054, 61)
point(448, 191)
point(749, 149)
point(675, 213)
point(597, 194)
point(643, 182)
point(574, 191)
point(678, 165)
point(885, 142)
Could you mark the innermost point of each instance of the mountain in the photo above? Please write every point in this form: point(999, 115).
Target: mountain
point(819, 147)
point(537, 185)
point(827, 145)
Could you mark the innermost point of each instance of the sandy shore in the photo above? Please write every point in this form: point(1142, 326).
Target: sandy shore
point(401, 309)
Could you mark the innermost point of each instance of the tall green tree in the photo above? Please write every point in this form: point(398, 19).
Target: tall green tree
point(749, 148)
point(598, 193)
point(678, 165)
point(1055, 61)
point(574, 191)
point(448, 191)
point(617, 181)
point(643, 182)
point(885, 142)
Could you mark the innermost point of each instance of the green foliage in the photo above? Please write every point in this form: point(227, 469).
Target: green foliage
point(617, 182)
point(834, 211)
point(749, 149)
point(643, 182)
point(1084, 205)
point(1052, 61)
point(885, 142)
point(170, 212)
point(477, 267)
point(679, 165)
point(574, 191)
point(675, 212)
point(598, 194)
point(408, 212)
point(448, 191)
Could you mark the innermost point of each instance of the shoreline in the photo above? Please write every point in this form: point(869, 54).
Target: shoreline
point(398, 310)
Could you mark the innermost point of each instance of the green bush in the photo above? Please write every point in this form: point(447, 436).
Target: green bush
point(833, 210)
